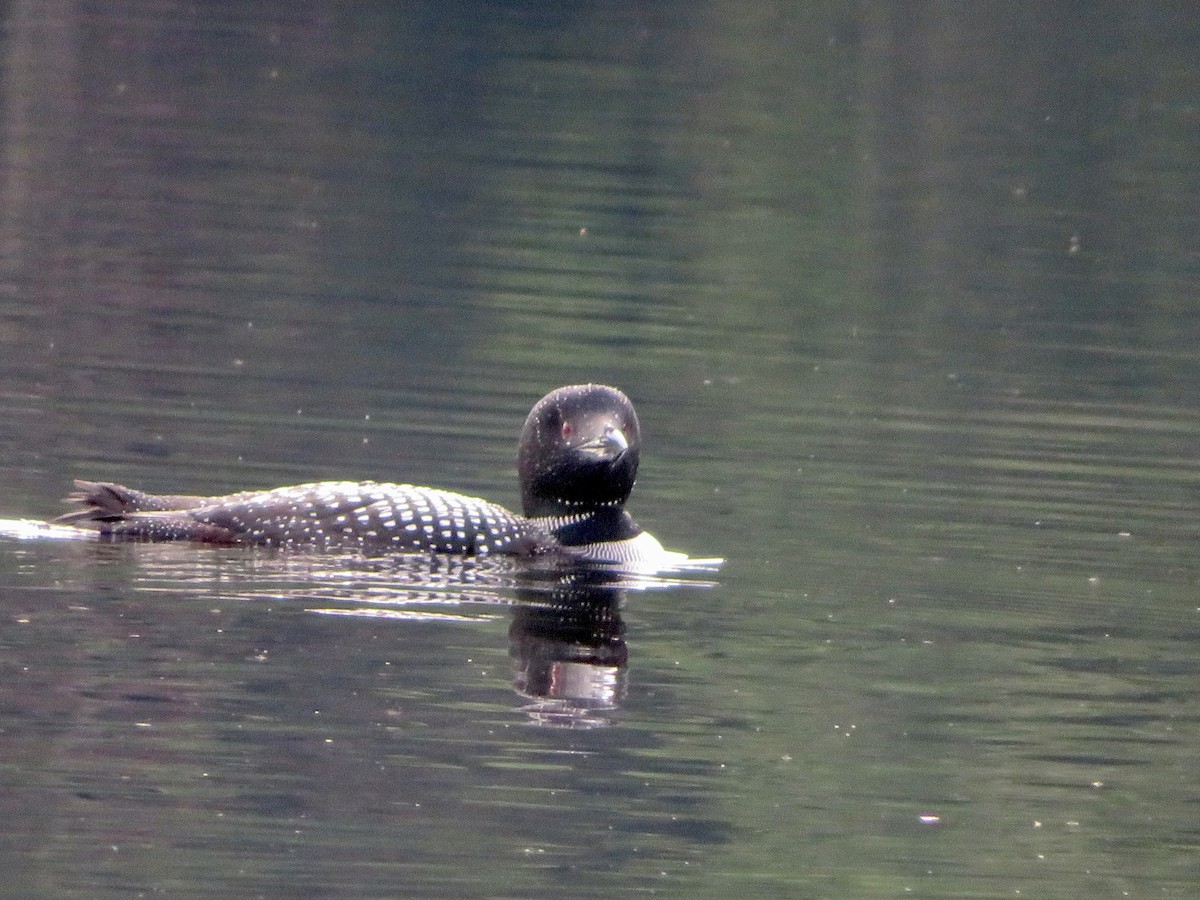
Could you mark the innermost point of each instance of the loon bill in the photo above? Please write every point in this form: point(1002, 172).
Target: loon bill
point(577, 461)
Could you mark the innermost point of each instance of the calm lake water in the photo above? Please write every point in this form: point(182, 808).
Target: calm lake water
point(906, 297)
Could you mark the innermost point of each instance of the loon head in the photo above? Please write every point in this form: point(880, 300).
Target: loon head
point(579, 451)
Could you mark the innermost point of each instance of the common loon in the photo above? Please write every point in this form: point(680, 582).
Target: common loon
point(577, 461)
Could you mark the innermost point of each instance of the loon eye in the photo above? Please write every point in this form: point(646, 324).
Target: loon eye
point(567, 430)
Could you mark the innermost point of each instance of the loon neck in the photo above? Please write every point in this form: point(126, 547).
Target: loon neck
point(591, 526)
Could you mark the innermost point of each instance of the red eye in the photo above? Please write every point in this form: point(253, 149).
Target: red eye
point(567, 429)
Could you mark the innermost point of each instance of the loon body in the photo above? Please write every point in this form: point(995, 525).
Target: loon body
point(577, 462)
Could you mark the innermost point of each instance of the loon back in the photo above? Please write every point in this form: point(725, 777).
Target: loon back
point(328, 515)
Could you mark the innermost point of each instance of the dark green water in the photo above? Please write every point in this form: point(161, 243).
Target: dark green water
point(906, 298)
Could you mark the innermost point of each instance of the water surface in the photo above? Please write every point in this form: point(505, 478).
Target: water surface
point(905, 299)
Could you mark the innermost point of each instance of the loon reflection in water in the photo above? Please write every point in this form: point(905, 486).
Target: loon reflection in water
point(567, 642)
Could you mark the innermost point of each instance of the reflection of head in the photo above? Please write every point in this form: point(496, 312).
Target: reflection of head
point(569, 652)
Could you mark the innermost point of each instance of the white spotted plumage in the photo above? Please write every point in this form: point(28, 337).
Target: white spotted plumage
point(365, 515)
